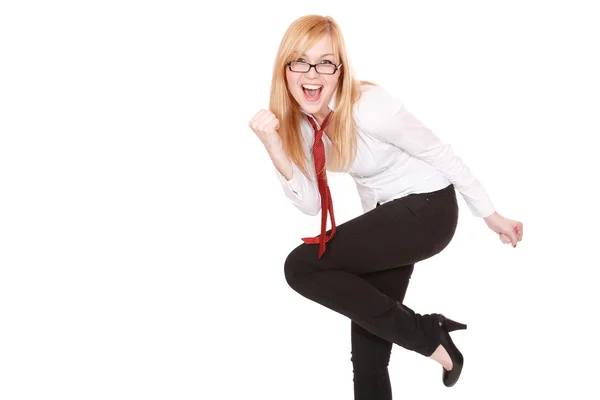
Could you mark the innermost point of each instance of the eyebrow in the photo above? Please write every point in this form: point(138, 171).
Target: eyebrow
point(324, 55)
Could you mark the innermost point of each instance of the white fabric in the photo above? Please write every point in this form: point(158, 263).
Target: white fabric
point(397, 156)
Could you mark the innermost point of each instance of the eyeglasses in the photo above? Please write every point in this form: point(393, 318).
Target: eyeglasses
point(304, 67)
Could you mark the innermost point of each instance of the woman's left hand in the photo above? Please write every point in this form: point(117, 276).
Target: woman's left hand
point(509, 231)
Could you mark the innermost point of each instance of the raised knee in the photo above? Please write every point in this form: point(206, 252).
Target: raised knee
point(290, 270)
point(296, 268)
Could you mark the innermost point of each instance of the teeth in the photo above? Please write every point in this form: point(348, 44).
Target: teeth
point(312, 87)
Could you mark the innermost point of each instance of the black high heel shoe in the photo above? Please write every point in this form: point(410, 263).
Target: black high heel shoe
point(451, 377)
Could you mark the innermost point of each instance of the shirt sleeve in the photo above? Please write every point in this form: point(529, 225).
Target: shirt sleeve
point(303, 192)
point(388, 119)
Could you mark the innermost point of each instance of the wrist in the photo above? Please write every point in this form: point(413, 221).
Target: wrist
point(491, 217)
point(272, 147)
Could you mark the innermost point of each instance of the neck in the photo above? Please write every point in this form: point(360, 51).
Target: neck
point(321, 115)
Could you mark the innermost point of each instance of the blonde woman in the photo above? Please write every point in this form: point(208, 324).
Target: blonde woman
point(322, 118)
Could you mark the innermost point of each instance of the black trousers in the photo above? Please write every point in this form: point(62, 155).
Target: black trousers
point(364, 275)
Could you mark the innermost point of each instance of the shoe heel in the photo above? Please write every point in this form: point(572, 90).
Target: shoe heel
point(449, 378)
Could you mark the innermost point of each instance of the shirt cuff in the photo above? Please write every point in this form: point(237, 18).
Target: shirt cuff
point(481, 208)
point(293, 186)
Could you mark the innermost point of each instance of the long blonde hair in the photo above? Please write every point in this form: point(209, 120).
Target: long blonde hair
point(288, 111)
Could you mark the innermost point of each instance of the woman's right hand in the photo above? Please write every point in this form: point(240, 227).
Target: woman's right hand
point(265, 125)
point(509, 231)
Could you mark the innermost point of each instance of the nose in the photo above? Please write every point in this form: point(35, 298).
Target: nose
point(312, 72)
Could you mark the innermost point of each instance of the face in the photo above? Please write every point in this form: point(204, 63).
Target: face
point(313, 91)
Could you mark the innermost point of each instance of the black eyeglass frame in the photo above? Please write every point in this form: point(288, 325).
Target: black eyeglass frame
point(289, 65)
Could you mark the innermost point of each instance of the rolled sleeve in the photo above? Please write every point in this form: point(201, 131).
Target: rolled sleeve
point(302, 192)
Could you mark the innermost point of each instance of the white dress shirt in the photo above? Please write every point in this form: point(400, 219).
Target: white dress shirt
point(397, 156)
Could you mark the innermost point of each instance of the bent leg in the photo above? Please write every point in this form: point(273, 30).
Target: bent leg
point(398, 233)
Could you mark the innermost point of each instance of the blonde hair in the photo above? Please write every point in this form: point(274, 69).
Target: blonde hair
point(288, 111)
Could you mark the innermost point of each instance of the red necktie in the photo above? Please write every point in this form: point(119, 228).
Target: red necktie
point(326, 203)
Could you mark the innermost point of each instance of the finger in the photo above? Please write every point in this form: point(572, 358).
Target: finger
point(509, 239)
point(273, 125)
point(513, 238)
point(259, 114)
point(519, 229)
point(517, 233)
point(261, 117)
point(254, 121)
point(266, 119)
point(269, 115)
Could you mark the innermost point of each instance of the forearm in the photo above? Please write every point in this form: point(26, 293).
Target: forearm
point(303, 192)
point(458, 173)
point(280, 161)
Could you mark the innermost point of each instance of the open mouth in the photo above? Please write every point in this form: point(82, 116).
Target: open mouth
point(312, 92)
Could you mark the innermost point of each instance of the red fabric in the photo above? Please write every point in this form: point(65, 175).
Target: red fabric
point(326, 202)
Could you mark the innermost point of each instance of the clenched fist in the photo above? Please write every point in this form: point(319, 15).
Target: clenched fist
point(509, 231)
point(265, 125)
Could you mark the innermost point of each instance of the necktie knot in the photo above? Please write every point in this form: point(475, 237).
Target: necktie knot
point(323, 125)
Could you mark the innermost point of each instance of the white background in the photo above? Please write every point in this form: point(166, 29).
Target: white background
point(143, 232)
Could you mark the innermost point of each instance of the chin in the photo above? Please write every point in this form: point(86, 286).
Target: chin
point(310, 106)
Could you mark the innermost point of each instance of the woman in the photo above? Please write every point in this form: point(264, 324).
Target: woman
point(320, 114)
